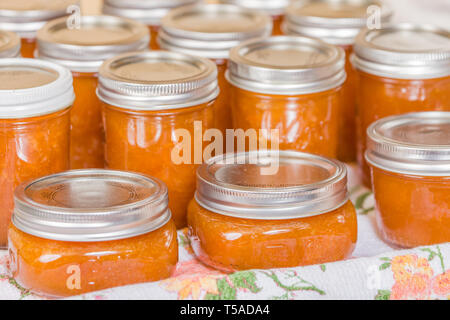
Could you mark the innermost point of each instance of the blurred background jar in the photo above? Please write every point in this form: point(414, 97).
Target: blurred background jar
point(82, 50)
point(9, 44)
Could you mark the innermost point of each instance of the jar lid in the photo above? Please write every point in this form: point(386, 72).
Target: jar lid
point(157, 80)
point(149, 12)
point(294, 185)
point(9, 44)
point(32, 87)
point(91, 205)
point(25, 17)
point(211, 30)
point(85, 48)
point(274, 8)
point(337, 22)
point(286, 65)
point(413, 143)
point(404, 51)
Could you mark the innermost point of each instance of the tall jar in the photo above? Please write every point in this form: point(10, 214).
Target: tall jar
point(401, 68)
point(156, 106)
point(9, 44)
point(337, 23)
point(83, 50)
point(409, 159)
point(27, 17)
point(210, 31)
point(148, 12)
point(291, 85)
point(35, 99)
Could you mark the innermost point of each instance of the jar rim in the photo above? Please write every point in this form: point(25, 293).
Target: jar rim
point(274, 8)
point(10, 44)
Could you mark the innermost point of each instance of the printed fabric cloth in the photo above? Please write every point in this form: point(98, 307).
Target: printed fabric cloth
point(375, 271)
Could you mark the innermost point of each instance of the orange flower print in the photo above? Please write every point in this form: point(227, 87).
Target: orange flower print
point(441, 284)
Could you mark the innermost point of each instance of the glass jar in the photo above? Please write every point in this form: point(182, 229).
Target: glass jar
point(409, 158)
point(88, 230)
point(401, 68)
point(337, 23)
point(35, 99)
point(83, 50)
point(149, 12)
point(210, 31)
point(9, 44)
point(27, 17)
point(156, 106)
point(268, 209)
point(291, 84)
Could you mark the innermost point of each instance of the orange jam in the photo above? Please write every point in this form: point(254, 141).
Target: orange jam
point(75, 254)
point(27, 48)
point(83, 50)
point(151, 131)
point(398, 73)
point(291, 85)
point(35, 97)
point(409, 157)
point(192, 29)
point(296, 213)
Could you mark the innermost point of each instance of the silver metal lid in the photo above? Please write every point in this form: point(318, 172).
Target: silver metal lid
point(9, 44)
point(272, 7)
point(304, 185)
point(91, 205)
point(157, 80)
point(286, 65)
point(211, 30)
point(333, 21)
point(413, 143)
point(149, 12)
point(25, 17)
point(404, 51)
point(85, 48)
point(32, 87)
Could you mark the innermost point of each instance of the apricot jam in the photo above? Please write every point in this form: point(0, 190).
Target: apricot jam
point(26, 17)
point(262, 210)
point(337, 23)
point(83, 50)
point(193, 29)
point(409, 158)
point(35, 98)
point(153, 103)
point(290, 84)
point(401, 68)
point(9, 44)
point(88, 230)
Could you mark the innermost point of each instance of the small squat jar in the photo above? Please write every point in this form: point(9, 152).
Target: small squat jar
point(291, 85)
point(83, 50)
point(27, 17)
point(148, 12)
point(88, 230)
point(337, 23)
point(401, 68)
point(271, 210)
point(157, 105)
point(35, 100)
point(9, 44)
point(210, 31)
point(409, 159)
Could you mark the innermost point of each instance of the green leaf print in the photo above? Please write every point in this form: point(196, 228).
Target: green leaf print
point(229, 285)
point(359, 204)
point(385, 266)
point(323, 267)
point(432, 254)
point(300, 285)
point(383, 295)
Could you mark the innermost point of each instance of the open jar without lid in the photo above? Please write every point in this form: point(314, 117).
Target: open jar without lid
point(9, 44)
point(267, 209)
point(409, 156)
point(121, 218)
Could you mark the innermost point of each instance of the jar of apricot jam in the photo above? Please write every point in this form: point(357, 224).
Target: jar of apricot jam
point(269, 209)
point(290, 84)
point(274, 8)
point(338, 23)
point(83, 50)
point(157, 105)
point(9, 44)
point(409, 159)
point(26, 17)
point(88, 230)
point(148, 12)
point(35, 100)
point(402, 68)
point(210, 31)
